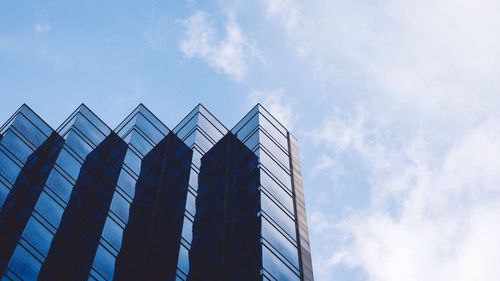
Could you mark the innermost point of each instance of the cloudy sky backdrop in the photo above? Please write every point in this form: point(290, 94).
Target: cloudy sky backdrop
point(396, 105)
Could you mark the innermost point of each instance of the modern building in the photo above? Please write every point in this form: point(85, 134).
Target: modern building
point(145, 202)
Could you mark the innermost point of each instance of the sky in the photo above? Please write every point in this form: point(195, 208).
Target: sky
point(396, 105)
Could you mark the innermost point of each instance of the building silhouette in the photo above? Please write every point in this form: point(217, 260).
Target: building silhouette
point(145, 202)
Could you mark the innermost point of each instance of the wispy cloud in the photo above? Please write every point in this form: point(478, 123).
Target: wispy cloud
point(428, 133)
point(227, 53)
point(42, 28)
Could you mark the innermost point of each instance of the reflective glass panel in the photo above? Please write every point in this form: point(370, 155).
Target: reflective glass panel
point(278, 215)
point(8, 168)
point(49, 209)
point(145, 126)
point(183, 263)
point(37, 235)
point(209, 128)
point(67, 162)
point(280, 243)
point(139, 142)
point(248, 128)
point(276, 267)
point(127, 183)
point(24, 264)
point(59, 185)
point(191, 203)
point(120, 207)
point(133, 161)
point(187, 229)
point(277, 152)
point(28, 130)
point(112, 233)
point(16, 146)
point(77, 144)
point(276, 170)
point(279, 137)
point(277, 191)
point(88, 129)
point(4, 191)
point(104, 262)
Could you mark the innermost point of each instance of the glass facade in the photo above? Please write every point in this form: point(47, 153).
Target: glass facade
point(85, 202)
point(268, 139)
point(199, 130)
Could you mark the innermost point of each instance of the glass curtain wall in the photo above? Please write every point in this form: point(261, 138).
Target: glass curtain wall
point(82, 132)
point(199, 130)
point(20, 136)
point(142, 131)
point(264, 135)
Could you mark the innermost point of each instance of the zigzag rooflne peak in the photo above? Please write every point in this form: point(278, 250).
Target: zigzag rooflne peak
point(258, 127)
point(25, 119)
point(88, 165)
point(22, 134)
point(86, 123)
point(143, 122)
point(200, 128)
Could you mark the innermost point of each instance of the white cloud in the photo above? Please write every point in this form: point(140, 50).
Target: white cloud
point(42, 28)
point(277, 104)
point(428, 133)
point(227, 54)
point(446, 225)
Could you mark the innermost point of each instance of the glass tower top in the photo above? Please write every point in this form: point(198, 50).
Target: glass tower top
point(198, 202)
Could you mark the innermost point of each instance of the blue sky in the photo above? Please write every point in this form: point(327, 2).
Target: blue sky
point(395, 104)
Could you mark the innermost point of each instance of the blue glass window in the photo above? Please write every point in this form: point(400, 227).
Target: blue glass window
point(248, 128)
point(133, 161)
point(38, 236)
point(191, 203)
point(253, 140)
point(278, 215)
point(183, 263)
point(274, 168)
point(151, 131)
point(283, 197)
point(49, 209)
point(278, 136)
point(112, 232)
point(28, 130)
point(139, 142)
point(193, 179)
point(196, 158)
point(104, 262)
point(187, 229)
point(202, 141)
point(88, 129)
point(35, 120)
point(77, 144)
point(8, 168)
point(213, 122)
point(59, 185)
point(280, 243)
point(277, 152)
point(16, 146)
point(4, 191)
point(276, 267)
point(120, 207)
point(184, 131)
point(272, 120)
point(127, 183)
point(24, 264)
point(245, 119)
point(209, 128)
point(190, 139)
point(70, 165)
